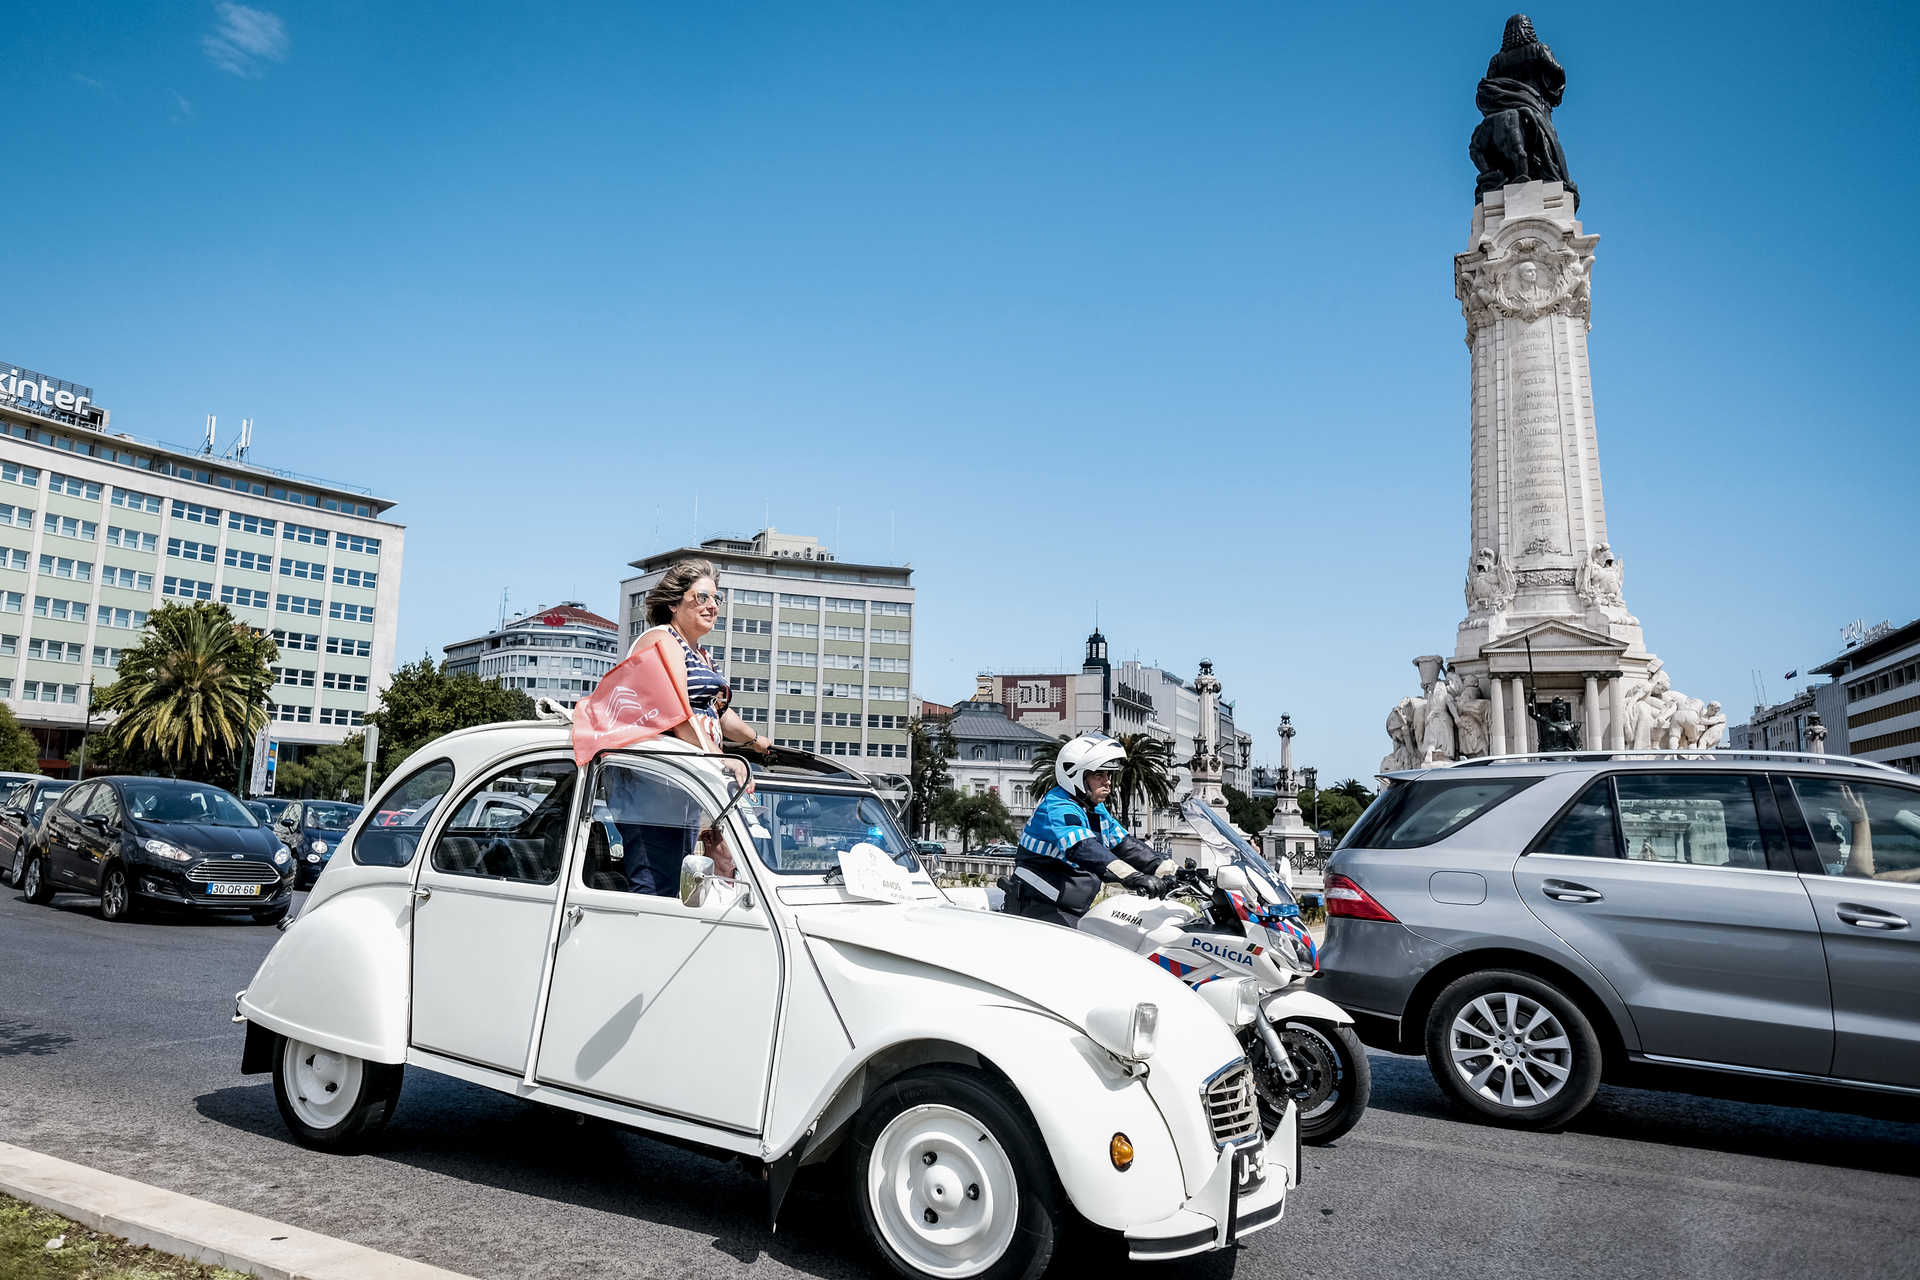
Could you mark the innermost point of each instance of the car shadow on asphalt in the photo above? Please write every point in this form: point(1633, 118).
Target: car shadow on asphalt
point(1751, 1122)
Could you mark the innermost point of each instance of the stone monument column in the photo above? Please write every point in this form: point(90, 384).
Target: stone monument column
point(1592, 734)
point(1497, 721)
point(1616, 715)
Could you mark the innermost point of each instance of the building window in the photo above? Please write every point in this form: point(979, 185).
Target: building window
point(799, 658)
point(18, 517)
point(749, 684)
point(251, 524)
point(738, 596)
point(195, 513)
point(799, 602)
point(127, 579)
point(802, 630)
point(840, 690)
point(299, 676)
point(297, 604)
point(890, 664)
point(71, 610)
point(756, 657)
point(39, 691)
point(753, 626)
point(354, 542)
point(185, 550)
point(186, 588)
point(887, 693)
point(341, 715)
point(61, 567)
point(794, 688)
point(17, 474)
point(839, 604)
point(752, 715)
point(892, 609)
point(844, 633)
point(287, 714)
point(882, 636)
point(354, 577)
point(15, 558)
point(55, 650)
point(245, 597)
point(253, 561)
point(350, 612)
point(131, 539)
point(887, 750)
point(303, 569)
point(9, 646)
point(106, 655)
point(304, 533)
point(133, 500)
point(341, 680)
point(10, 602)
point(792, 715)
point(122, 619)
point(72, 486)
point(350, 648)
point(297, 640)
point(68, 527)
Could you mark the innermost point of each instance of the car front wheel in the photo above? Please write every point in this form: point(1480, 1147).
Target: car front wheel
point(950, 1180)
point(1513, 1049)
point(33, 881)
point(117, 902)
point(332, 1101)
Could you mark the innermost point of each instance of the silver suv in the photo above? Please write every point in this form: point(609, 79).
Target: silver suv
point(1534, 923)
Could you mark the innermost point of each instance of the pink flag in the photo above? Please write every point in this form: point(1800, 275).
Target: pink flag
point(641, 698)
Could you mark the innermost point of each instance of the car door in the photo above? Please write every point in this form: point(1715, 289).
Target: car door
point(484, 905)
point(1859, 845)
point(98, 835)
point(667, 1006)
point(13, 820)
point(62, 843)
point(1675, 887)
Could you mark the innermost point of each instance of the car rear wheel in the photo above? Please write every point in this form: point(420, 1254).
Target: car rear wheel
point(1513, 1049)
point(33, 881)
point(117, 900)
point(332, 1101)
point(950, 1179)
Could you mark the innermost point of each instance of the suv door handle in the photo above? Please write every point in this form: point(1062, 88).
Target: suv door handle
point(1568, 891)
point(1862, 917)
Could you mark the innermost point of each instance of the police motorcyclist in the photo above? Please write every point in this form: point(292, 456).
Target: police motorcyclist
point(1071, 841)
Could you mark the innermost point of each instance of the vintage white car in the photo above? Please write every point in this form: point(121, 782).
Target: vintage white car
point(982, 1077)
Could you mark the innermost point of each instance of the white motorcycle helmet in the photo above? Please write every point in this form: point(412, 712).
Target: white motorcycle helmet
point(1088, 753)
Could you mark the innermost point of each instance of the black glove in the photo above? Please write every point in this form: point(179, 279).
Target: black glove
point(1147, 886)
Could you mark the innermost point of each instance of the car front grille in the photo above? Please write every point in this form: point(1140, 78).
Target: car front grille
point(1233, 1112)
point(244, 870)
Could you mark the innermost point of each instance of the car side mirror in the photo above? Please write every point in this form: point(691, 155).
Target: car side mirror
point(695, 870)
point(98, 821)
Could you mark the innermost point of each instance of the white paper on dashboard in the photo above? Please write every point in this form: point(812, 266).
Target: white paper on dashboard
point(872, 875)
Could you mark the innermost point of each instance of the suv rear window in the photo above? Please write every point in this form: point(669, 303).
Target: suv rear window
point(1410, 814)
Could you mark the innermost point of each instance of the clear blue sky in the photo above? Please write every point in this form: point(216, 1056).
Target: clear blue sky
point(1148, 305)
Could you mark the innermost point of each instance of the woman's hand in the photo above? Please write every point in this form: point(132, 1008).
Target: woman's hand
point(1851, 804)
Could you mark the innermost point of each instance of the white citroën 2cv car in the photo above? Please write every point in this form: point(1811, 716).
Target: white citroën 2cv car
point(979, 1077)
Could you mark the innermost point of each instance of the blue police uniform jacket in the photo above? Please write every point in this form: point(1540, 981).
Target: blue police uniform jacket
point(1058, 830)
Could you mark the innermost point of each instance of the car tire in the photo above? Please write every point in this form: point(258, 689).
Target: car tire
point(332, 1101)
point(941, 1143)
point(118, 901)
point(34, 882)
point(271, 915)
point(1513, 1049)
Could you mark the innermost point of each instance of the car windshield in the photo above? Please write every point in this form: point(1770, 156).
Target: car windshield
point(800, 833)
point(328, 816)
point(44, 796)
point(188, 802)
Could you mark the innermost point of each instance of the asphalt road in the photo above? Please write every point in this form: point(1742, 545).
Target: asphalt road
point(116, 1051)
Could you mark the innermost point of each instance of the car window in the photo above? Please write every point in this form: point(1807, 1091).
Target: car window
point(75, 801)
point(46, 795)
point(328, 815)
point(1586, 830)
point(188, 802)
point(392, 836)
point(530, 849)
point(1863, 828)
point(103, 804)
point(645, 823)
point(805, 832)
point(1703, 819)
point(17, 798)
point(1410, 814)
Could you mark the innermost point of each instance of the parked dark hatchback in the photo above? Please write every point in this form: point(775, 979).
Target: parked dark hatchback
point(25, 805)
point(141, 841)
point(311, 830)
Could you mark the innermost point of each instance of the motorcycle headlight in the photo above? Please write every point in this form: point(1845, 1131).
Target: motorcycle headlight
point(1246, 1001)
point(313, 857)
point(280, 857)
point(318, 846)
point(161, 849)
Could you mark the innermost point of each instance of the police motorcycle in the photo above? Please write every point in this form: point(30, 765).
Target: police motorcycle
point(1236, 926)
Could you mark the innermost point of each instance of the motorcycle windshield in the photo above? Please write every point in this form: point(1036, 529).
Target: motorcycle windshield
point(1219, 835)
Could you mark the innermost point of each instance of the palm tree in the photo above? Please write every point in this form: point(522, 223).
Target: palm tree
point(1146, 774)
point(193, 693)
point(1043, 762)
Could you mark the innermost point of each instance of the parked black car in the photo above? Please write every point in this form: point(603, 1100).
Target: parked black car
point(140, 841)
point(26, 803)
point(311, 830)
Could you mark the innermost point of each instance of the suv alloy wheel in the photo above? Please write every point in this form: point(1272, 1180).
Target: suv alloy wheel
point(1513, 1049)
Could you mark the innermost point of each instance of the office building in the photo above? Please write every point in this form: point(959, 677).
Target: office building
point(559, 653)
point(1879, 676)
point(98, 528)
point(819, 651)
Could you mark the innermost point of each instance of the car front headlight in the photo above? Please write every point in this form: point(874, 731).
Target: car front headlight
point(280, 857)
point(1126, 1032)
point(161, 849)
point(313, 857)
point(318, 846)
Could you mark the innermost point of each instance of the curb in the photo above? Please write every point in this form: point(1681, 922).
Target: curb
point(196, 1229)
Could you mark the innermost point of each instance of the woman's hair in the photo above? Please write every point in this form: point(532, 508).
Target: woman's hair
point(672, 589)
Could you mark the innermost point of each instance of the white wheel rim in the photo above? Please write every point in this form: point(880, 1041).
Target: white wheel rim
point(322, 1086)
point(33, 878)
point(114, 902)
point(1510, 1049)
point(943, 1191)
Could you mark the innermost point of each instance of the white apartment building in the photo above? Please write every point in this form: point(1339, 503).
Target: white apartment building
point(819, 651)
point(98, 528)
point(560, 653)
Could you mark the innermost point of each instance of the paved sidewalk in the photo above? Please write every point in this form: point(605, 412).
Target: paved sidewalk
point(196, 1229)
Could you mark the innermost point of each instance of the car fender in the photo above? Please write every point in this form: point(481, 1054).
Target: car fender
point(359, 940)
point(1294, 1002)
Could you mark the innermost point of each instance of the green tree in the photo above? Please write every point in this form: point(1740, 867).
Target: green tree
point(1356, 791)
point(424, 702)
point(191, 695)
point(331, 773)
point(1045, 757)
point(1338, 810)
point(979, 818)
point(1251, 814)
point(19, 753)
point(930, 743)
point(1146, 775)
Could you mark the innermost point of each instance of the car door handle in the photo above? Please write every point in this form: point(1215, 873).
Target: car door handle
point(574, 915)
point(1862, 917)
point(1567, 891)
point(422, 893)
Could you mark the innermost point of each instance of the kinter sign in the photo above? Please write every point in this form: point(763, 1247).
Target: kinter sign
point(24, 388)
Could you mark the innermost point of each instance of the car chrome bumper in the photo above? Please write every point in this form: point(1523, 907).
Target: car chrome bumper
point(1223, 1212)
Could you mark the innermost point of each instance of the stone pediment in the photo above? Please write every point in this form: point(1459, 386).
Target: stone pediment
point(1556, 646)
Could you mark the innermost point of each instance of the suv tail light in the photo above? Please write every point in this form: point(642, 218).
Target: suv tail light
point(1345, 898)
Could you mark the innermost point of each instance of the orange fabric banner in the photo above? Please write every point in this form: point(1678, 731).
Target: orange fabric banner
point(641, 698)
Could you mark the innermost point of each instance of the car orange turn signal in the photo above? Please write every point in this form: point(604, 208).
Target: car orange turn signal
point(1121, 1152)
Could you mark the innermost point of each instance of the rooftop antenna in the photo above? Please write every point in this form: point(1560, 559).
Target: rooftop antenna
point(207, 446)
point(246, 438)
point(1759, 689)
point(504, 591)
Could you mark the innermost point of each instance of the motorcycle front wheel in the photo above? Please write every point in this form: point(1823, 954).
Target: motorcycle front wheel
point(1334, 1085)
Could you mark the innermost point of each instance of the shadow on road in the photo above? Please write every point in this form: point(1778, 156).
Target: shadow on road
point(17, 1038)
point(1752, 1122)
